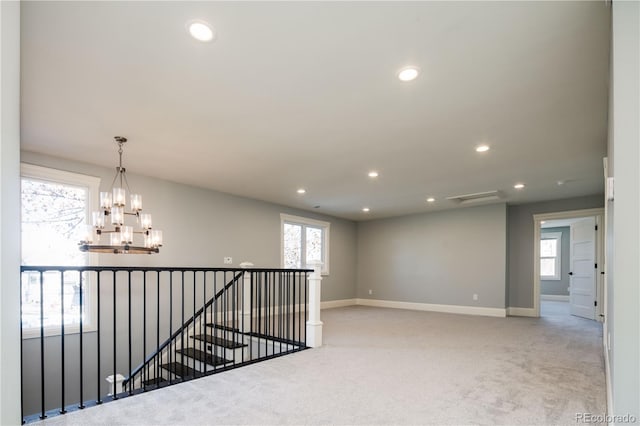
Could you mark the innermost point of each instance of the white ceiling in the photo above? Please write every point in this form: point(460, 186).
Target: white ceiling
point(305, 95)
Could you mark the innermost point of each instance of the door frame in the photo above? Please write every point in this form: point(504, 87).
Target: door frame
point(571, 214)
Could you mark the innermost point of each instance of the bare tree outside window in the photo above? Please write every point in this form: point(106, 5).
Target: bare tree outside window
point(53, 217)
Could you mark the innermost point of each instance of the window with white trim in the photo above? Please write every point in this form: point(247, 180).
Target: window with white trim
point(550, 254)
point(56, 207)
point(304, 241)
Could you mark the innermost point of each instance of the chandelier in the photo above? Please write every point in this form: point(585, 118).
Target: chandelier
point(120, 238)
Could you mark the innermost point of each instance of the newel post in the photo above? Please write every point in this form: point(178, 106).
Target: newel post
point(246, 298)
point(115, 384)
point(314, 325)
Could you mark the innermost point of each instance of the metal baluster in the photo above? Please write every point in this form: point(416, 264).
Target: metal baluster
point(98, 378)
point(81, 343)
point(306, 303)
point(130, 382)
point(272, 312)
point(145, 367)
point(194, 317)
point(203, 320)
point(62, 404)
point(259, 309)
point(234, 287)
point(157, 357)
point(21, 352)
point(42, 413)
point(170, 322)
point(181, 326)
point(115, 371)
point(214, 318)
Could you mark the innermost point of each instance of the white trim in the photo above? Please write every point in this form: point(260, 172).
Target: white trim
point(555, 297)
point(537, 218)
point(607, 373)
point(326, 228)
point(330, 304)
point(522, 312)
point(451, 309)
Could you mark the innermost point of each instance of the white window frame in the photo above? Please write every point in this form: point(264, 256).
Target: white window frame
point(92, 183)
point(558, 263)
point(303, 221)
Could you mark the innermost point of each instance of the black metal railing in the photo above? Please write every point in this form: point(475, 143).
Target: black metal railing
point(143, 328)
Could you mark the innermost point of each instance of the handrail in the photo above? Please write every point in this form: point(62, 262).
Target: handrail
point(40, 268)
point(182, 328)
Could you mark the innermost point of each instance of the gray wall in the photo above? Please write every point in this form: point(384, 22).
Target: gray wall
point(441, 257)
point(623, 274)
point(520, 243)
point(200, 227)
point(10, 214)
point(559, 287)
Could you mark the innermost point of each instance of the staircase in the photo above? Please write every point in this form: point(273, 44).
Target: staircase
point(236, 327)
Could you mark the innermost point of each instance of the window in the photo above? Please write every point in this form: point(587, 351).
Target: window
point(55, 211)
point(304, 241)
point(550, 247)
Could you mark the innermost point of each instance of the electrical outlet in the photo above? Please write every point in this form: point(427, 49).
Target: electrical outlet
point(228, 260)
point(475, 297)
point(370, 292)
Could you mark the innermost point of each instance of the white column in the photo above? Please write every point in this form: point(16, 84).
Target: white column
point(245, 322)
point(314, 325)
point(116, 384)
point(246, 298)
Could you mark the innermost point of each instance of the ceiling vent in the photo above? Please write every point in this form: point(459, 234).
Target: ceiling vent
point(478, 197)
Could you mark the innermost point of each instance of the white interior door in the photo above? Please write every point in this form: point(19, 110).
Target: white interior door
point(582, 289)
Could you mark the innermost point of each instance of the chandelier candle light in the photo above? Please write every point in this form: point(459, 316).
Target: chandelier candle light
point(112, 206)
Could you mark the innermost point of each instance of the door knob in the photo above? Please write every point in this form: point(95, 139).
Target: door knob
point(570, 273)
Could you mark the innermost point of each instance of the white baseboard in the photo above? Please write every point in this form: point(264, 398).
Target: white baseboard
point(451, 309)
point(338, 303)
point(521, 312)
point(556, 297)
point(607, 374)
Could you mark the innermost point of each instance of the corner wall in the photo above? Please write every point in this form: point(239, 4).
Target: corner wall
point(10, 214)
point(520, 245)
point(623, 268)
point(437, 258)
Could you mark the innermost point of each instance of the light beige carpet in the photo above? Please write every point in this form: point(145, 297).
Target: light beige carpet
point(386, 366)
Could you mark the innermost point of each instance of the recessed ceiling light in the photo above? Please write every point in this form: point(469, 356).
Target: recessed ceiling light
point(542, 222)
point(301, 191)
point(518, 185)
point(482, 148)
point(430, 200)
point(408, 73)
point(200, 30)
point(366, 209)
point(373, 174)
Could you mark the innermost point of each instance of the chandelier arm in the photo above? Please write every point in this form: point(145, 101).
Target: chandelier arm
point(114, 179)
point(126, 182)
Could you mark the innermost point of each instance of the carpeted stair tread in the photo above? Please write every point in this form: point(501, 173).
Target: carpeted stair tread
point(179, 369)
point(218, 341)
point(199, 355)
